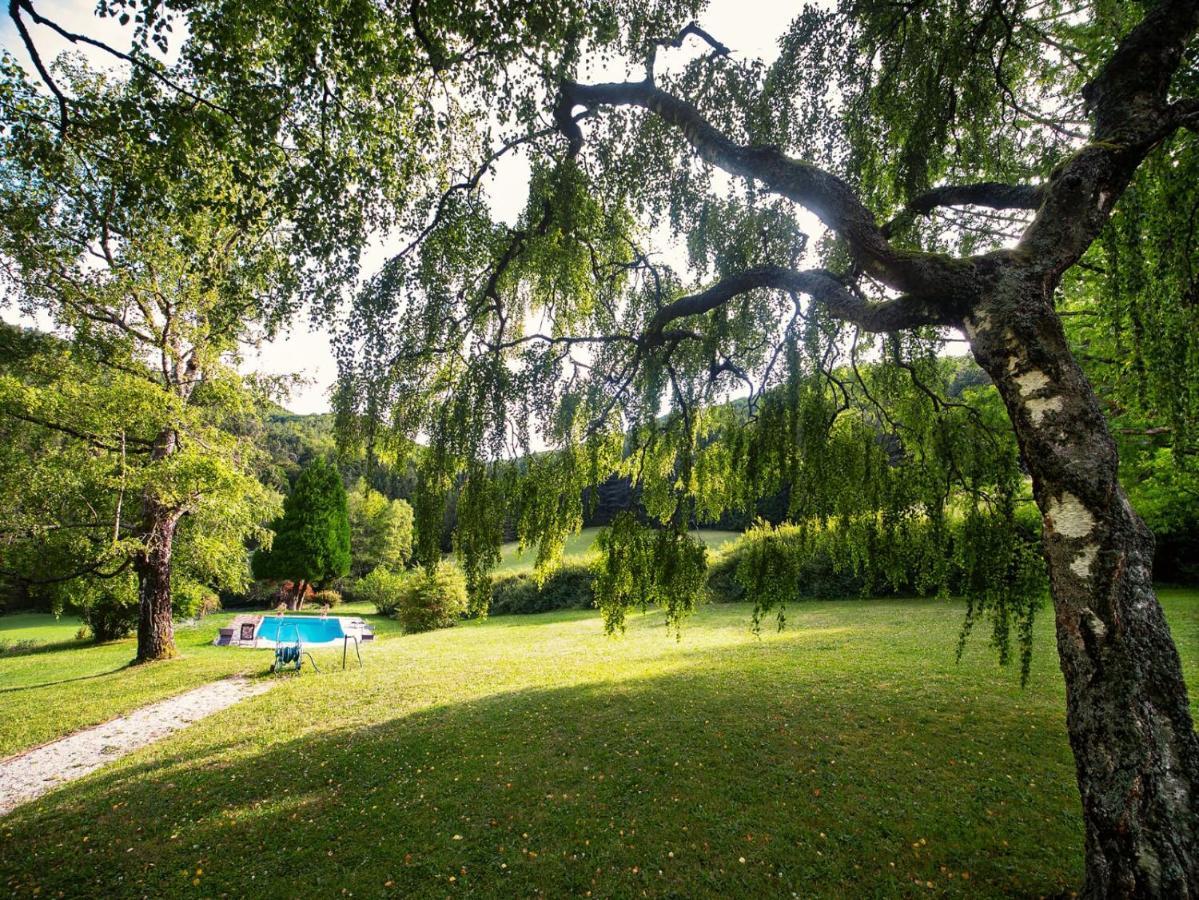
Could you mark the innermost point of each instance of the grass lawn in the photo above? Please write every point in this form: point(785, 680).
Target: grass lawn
point(60, 685)
point(846, 756)
point(578, 548)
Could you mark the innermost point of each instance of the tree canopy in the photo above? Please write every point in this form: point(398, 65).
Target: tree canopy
point(805, 234)
point(380, 530)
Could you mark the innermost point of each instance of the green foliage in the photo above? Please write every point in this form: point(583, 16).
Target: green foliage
point(382, 588)
point(568, 586)
point(640, 567)
point(432, 599)
point(380, 530)
point(108, 607)
point(992, 558)
point(155, 259)
point(1132, 313)
point(312, 538)
point(723, 586)
point(75, 464)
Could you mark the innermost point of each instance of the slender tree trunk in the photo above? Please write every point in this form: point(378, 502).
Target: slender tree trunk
point(155, 626)
point(1128, 716)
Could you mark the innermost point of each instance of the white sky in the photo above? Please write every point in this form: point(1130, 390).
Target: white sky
point(749, 27)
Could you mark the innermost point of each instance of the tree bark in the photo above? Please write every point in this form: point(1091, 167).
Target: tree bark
point(155, 626)
point(297, 597)
point(1128, 715)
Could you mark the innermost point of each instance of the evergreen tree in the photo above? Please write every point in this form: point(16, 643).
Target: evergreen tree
point(312, 537)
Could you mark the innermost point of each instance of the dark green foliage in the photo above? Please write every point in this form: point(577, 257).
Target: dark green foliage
point(432, 599)
point(723, 586)
point(1002, 574)
point(569, 586)
point(640, 567)
point(312, 538)
point(993, 560)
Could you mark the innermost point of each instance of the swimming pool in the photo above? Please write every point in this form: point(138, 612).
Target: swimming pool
point(306, 629)
point(265, 631)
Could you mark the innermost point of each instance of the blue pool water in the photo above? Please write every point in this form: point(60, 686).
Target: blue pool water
point(307, 629)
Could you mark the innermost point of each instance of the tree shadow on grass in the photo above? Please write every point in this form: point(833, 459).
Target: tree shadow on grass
point(46, 684)
point(33, 648)
point(703, 782)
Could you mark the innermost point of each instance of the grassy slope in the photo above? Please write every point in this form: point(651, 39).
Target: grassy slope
point(578, 548)
point(846, 756)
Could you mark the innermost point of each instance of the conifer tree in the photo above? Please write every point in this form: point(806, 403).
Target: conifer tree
point(312, 537)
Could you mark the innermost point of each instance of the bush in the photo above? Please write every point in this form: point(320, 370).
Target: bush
point(570, 586)
point(347, 588)
point(108, 607)
point(209, 604)
point(382, 588)
point(328, 598)
point(431, 600)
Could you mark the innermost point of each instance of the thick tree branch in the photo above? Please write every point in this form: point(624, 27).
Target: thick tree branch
point(991, 194)
point(92, 569)
point(826, 195)
point(823, 287)
point(718, 48)
point(90, 439)
point(1132, 115)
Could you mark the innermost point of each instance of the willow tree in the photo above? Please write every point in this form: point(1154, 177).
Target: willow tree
point(907, 129)
point(961, 161)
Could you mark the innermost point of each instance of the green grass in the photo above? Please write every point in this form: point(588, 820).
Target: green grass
point(22, 631)
point(846, 756)
point(579, 548)
point(62, 684)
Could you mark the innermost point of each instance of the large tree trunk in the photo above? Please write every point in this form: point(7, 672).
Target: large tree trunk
point(1128, 715)
point(155, 626)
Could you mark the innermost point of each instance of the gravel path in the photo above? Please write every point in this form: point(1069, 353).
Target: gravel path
point(34, 772)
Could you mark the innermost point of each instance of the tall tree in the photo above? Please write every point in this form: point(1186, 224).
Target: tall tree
point(158, 263)
point(76, 433)
point(939, 120)
point(312, 538)
point(380, 530)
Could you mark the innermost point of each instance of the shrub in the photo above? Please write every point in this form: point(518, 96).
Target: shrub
point(570, 586)
point(209, 604)
point(431, 600)
point(347, 587)
point(382, 588)
point(108, 607)
point(326, 598)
